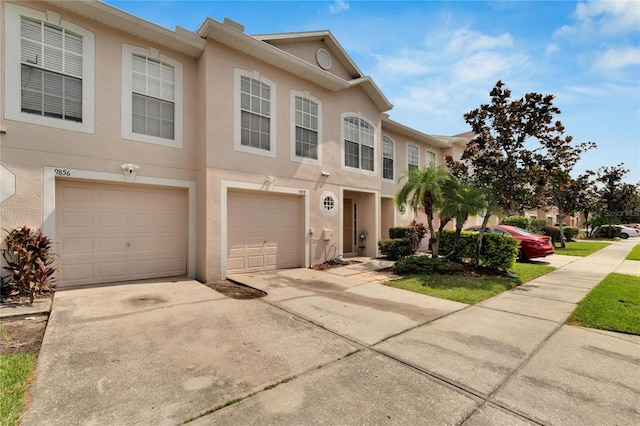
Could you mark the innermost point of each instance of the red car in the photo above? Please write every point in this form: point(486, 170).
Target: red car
point(530, 245)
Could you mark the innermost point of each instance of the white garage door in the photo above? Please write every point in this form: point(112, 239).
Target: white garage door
point(110, 232)
point(264, 231)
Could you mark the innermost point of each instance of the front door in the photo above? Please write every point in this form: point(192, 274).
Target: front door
point(347, 231)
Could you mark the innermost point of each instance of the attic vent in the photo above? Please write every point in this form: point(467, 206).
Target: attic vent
point(233, 24)
point(324, 58)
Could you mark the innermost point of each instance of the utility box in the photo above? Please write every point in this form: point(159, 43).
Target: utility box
point(327, 234)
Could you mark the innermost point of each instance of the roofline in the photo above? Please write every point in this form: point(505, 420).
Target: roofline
point(180, 40)
point(417, 135)
point(232, 36)
point(333, 43)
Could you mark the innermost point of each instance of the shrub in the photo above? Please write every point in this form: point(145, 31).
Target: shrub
point(553, 232)
point(29, 259)
point(537, 225)
point(424, 265)
point(607, 232)
point(519, 221)
point(570, 232)
point(498, 251)
point(415, 232)
point(396, 248)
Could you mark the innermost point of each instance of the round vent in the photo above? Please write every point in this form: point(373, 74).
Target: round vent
point(324, 59)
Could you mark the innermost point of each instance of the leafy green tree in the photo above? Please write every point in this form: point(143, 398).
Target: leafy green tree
point(620, 200)
point(423, 190)
point(508, 155)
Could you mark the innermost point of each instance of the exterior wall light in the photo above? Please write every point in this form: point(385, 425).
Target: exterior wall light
point(129, 170)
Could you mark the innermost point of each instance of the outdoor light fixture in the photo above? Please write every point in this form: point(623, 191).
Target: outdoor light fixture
point(130, 171)
point(269, 180)
point(325, 174)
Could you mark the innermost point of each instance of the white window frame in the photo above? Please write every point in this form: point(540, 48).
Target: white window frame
point(393, 158)
point(12, 69)
point(417, 148)
point(358, 169)
point(318, 102)
point(127, 89)
point(428, 151)
point(237, 137)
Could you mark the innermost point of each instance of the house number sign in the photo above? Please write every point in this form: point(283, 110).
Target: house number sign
point(62, 172)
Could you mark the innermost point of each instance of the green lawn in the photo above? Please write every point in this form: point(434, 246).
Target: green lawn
point(613, 305)
point(468, 289)
point(635, 253)
point(581, 248)
point(15, 371)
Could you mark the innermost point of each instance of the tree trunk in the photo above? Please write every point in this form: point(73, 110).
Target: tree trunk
point(485, 220)
point(560, 228)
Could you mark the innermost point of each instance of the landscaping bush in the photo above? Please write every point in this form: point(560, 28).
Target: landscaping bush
point(607, 232)
point(399, 232)
point(537, 225)
point(415, 232)
point(498, 251)
point(396, 248)
point(424, 265)
point(570, 232)
point(519, 221)
point(29, 262)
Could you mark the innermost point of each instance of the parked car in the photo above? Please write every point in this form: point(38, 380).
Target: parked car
point(627, 231)
point(530, 246)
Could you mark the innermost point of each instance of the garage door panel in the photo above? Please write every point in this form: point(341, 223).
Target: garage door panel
point(110, 221)
point(110, 244)
point(110, 232)
point(263, 231)
point(80, 221)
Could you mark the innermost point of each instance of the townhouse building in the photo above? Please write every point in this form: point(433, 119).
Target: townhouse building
point(145, 152)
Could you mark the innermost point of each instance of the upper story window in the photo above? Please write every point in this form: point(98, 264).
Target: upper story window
point(359, 142)
point(49, 73)
point(254, 114)
point(388, 153)
point(430, 158)
point(306, 136)
point(151, 97)
point(413, 157)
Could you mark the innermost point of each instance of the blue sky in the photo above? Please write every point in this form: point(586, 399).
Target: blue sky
point(436, 60)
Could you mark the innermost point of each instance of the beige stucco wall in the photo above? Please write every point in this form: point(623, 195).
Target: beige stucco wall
point(28, 148)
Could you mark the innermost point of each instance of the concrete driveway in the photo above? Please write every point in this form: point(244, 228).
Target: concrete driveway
point(333, 348)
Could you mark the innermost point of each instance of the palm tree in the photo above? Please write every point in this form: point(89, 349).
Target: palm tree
point(461, 201)
point(422, 190)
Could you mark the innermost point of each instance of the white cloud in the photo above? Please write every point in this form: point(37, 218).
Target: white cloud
point(594, 18)
point(551, 49)
point(339, 6)
point(617, 58)
point(464, 40)
point(610, 16)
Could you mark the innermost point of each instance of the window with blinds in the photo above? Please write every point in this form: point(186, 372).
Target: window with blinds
point(413, 157)
point(255, 113)
point(430, 158)
point(358, 143)
point(51, 70)
point(387, 158)
point(306, 128)
point(153, 97)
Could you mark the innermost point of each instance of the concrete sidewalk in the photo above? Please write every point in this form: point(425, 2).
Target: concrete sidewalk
point(335, 347)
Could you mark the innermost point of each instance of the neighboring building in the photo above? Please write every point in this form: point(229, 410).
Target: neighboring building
point(144, 152)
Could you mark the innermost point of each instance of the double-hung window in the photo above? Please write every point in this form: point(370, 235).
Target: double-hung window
point(49, 71)
point(151, 97)
point(255, 120)
point(387, 158)
point(359, 141)
point(306, 128)
point(430, 158)
point(413, 157)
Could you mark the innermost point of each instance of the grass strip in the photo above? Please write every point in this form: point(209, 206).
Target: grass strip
point(469, 289)
point(635, 253)
point(15, 371)
point(612, 305)
point(581, 248)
